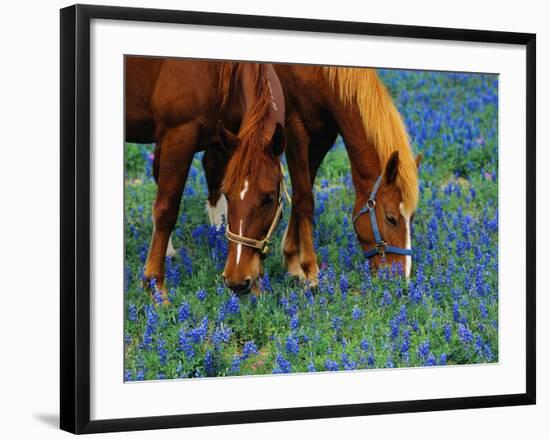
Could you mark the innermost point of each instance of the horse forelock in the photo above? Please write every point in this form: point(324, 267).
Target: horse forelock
point(256, 131)
point(382, 122)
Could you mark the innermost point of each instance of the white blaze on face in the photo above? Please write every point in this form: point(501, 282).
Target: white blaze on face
point(244, 190)
point(239, 246)
point(408, 259)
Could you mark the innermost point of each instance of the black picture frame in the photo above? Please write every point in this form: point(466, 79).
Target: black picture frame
point(75, 217)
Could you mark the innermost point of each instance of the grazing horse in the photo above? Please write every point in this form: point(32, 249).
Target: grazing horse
point(322, 102)
point(184, 106)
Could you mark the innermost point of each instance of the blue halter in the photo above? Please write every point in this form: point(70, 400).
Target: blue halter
point(381, 246)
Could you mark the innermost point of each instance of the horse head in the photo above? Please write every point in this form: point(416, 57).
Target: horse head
point(382, 225)
point(253, 186)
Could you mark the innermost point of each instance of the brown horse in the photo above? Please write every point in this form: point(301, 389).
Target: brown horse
point(325, 101)
point(322, 102)
point(183, 106)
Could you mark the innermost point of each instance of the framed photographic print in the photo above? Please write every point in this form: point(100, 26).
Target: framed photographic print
point(267, 218)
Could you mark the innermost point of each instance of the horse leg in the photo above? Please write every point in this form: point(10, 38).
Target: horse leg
point(178, 145)
point(298, 251)
point(214, 163)
point(170, 250)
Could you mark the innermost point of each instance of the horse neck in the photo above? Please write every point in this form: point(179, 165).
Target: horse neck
point(364, 160)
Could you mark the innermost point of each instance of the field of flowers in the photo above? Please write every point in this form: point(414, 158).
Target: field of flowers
point(447, 314)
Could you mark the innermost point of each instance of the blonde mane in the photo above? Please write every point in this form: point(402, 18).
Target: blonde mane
point(383, 124)
point(250, 154)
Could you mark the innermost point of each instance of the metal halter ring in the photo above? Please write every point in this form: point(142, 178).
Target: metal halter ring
point(381, 248)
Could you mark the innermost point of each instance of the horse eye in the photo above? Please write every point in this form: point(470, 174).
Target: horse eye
point(268, 200)
point(391, 220)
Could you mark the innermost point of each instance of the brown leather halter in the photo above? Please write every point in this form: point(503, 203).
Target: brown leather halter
point(263, 245)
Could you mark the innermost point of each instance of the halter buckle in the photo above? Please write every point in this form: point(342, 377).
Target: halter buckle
point(381, 248)
point(371, 203)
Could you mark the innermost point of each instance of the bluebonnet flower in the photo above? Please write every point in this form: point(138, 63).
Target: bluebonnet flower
point(431, 361)
point(231, 307)
point(140, 375)
point(294, 323)
point(337, 323)
point(386, 299)
point(344, 285)
point(447, 332)
point(356, 313)
point(249, 349)
point(424, 349)
point(201, 294)
point(186, 261)
point(456, 312)
point(465, 334)
point(128, 375)
point(265, 283)
point(406, 342)
point(150, 326)
point(186, 344)
point(209, 363)
point(348, 363)
point(283, 365)
point(162, 351)
point(235, 364)
point(184, 312)
point(331, 365)
point(198, 334)
point(221, 335)
point(292, 345)
point(370, 360)
point(132, 312)
point(157, 296)
point(483, 310)
point(415, 292)
point(311, 367)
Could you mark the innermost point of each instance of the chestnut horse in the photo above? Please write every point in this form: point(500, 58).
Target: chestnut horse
point(322, 102)
point(183, 106)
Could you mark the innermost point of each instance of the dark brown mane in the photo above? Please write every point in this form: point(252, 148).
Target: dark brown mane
point(251, 151)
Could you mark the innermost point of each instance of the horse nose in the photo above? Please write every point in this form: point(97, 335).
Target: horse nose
point(238, 288)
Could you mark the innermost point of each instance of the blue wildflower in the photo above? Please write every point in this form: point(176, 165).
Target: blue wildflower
point(184, 312)
point(331, 365)
point(201, 294)
point(249, 349)
point(291, 345)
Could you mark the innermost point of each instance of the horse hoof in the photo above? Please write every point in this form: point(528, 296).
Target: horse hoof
point(294, 268)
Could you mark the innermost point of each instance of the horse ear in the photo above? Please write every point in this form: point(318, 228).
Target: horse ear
point(390, 174)
point(418, 159)
point(278, 142)
point(227, 138)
